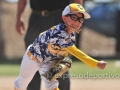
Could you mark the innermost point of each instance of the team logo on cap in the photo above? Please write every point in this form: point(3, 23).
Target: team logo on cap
point(76, 8)
point(79, 6)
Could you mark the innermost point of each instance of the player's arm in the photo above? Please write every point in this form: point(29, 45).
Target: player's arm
point(19, 22)
point(85, 58)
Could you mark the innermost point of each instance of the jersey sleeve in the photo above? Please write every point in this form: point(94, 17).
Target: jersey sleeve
point(82, 56)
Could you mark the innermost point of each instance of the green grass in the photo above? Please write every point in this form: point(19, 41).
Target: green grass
point(9, 69)
point(81, 70)
point(80, 67)
point(77, 68)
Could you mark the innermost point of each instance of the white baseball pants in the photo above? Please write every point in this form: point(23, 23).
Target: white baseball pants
point(27, 71)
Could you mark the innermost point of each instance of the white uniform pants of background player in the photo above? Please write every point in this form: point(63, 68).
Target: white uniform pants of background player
point(27, 71)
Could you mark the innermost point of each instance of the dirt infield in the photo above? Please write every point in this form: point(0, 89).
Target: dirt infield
point(6, 83)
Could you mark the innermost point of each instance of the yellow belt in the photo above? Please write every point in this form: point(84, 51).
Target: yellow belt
point(32, 57)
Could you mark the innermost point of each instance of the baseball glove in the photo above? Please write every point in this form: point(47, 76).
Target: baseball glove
point(59, 69)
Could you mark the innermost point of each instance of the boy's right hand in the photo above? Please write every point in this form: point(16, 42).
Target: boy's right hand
point(101, 64)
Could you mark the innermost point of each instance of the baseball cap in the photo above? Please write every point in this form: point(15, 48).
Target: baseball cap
point(75, 8)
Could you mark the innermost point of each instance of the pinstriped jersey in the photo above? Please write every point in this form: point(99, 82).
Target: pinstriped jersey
point(50, 45)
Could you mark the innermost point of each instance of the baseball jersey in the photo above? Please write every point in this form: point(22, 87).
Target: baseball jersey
point(49, 46)
point(55, 43)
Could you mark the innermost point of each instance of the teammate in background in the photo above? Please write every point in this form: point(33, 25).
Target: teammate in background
point(44, 15)
point(49, 51)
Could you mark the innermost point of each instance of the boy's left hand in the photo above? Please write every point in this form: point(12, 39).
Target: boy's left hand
point(101, 64)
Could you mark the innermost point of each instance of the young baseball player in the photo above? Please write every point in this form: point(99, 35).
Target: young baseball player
point(49, 51)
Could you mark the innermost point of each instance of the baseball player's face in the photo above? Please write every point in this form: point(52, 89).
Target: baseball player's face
point(74, 20)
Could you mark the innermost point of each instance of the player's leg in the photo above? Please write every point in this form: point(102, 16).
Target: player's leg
point(56, 71)
point(27, 70)
point(49, 85)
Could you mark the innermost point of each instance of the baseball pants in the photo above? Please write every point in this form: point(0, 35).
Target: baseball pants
point(28, 68)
